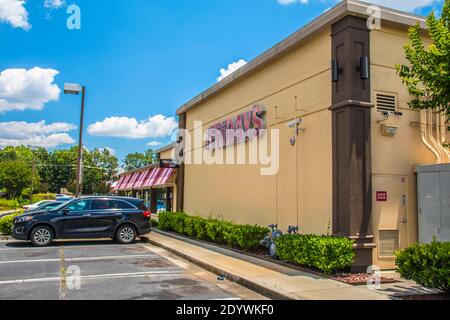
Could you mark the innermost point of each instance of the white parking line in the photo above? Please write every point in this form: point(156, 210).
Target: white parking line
point(94, 277)
point(128, 257)
point(85, 246)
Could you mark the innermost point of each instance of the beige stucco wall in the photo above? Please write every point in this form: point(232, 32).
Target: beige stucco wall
point(167, 154)
point(301, 191)
point(394, 158)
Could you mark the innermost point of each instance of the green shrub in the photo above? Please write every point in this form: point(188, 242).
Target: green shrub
point(6, 224)
point(221, 232)
point(248, 237)
point(189, 226)
point(325, 253)
point(426, 264)
point(9, 204)
point(200, 228)
point(172, 221)
point(215, 230)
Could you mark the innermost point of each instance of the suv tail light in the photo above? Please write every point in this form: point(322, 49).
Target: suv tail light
point(147, 214)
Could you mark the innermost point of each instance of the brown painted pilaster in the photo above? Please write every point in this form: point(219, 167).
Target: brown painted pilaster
point(352, 195)
point(181, 170)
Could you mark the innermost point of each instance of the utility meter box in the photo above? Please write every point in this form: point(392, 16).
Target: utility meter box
point(433, 188)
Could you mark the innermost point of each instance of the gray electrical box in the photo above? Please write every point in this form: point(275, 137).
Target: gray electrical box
point(433, 188)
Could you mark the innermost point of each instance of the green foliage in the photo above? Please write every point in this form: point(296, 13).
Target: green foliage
point(215, 230)
point(138, 160)
point(426, 264)
point(15, 175)
point(325, 253)
point(245, 237)
point(168, 220)
point(428, 75)
point(6, 224)
point(57, 169)
point(8, 204)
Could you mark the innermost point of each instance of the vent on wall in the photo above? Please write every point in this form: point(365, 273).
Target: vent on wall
point(388, 243)
point(386, 102)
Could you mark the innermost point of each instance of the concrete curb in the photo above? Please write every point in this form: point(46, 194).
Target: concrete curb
point(269, 293)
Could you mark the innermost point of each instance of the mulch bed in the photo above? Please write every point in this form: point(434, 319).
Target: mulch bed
point(360, 279)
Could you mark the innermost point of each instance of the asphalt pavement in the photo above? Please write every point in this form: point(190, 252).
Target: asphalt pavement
point(104, 270)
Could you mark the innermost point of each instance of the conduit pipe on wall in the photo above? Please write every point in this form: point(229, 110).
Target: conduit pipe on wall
point(442, 135)
point(431, 138)
point(424, 132)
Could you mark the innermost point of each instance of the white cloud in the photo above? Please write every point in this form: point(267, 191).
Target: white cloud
point(154, 144)
point(232, 67)
point(37, 134)
point(53, 4)
point(123, 127)
point(14, 13)
point(22, 89)
point(111, 150)
point(288, 2)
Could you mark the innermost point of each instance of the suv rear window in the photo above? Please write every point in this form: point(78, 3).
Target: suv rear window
point(110, 204)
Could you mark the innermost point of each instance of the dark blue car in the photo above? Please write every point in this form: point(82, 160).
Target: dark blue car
point(120, 218)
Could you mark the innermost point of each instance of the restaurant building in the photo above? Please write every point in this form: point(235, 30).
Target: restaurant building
point(154, 184)
point(348, 141)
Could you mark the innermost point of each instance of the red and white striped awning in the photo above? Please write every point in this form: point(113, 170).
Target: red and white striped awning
point(141, 179)
point(151, 179)
point(164, 177)
point(145, 179)
point(119, 183)
point(132, 180)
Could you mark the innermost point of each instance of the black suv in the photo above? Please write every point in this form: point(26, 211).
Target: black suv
point(122, 219)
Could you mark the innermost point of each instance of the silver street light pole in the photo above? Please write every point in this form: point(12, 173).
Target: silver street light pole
point(76, 89)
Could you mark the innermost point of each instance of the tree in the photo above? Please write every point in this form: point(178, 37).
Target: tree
point(15, 175)
point(428, 75)
point(100, 167)
point(138, 160)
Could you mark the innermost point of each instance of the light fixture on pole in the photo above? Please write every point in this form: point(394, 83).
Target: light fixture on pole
point(70, 88)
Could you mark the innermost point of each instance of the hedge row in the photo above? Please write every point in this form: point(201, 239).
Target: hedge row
point(6, 224)
point(245, 237)
point(426, 264)
point(325, 253)
point(43, 196)
point(8, 204)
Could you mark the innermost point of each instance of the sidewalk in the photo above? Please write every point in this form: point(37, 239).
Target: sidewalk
point(270, 279)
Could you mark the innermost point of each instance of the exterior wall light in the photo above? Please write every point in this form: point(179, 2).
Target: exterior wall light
point(364, 67)
point(388, 130)
point(335, 70)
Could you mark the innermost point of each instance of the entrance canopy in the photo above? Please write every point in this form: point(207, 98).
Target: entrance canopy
point(145, 179)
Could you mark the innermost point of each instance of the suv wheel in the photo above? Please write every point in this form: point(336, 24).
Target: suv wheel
point(41, 236)
point(126, 234)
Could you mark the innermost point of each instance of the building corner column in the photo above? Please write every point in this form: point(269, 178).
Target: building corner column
point(181, 170)
point(351, 134)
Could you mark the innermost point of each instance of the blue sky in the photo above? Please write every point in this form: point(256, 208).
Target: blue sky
point(140, 60)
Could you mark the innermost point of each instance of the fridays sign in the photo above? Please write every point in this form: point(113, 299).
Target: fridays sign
point(237, 130)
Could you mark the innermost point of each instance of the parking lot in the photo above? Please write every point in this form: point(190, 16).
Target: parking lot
point(104, 270)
